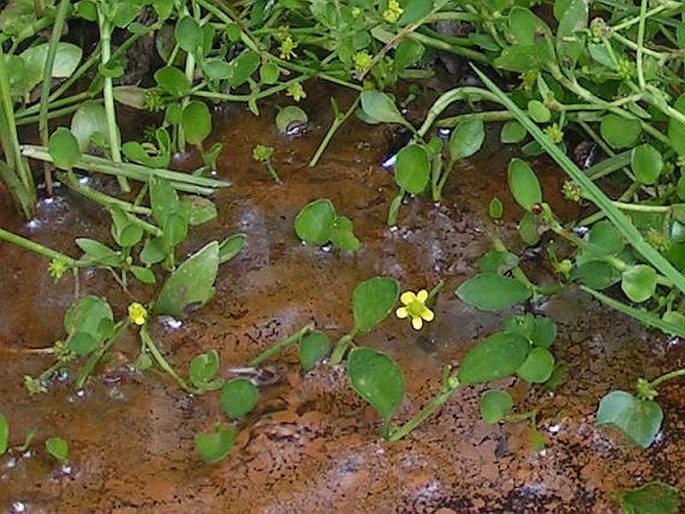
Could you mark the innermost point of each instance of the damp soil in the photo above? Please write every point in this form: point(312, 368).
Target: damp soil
point(312, 445)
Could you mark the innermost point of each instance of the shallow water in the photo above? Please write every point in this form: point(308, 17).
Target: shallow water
point(313, 446)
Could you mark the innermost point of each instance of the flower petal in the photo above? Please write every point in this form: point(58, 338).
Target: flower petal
point(417, 323)
point(428, 315)
point(402, 312)
point(422, 296)
point(407, 297)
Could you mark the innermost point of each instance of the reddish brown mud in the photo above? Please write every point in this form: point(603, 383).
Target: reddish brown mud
point(313, 446)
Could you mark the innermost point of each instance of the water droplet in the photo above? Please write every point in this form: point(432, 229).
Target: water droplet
point(18, 506)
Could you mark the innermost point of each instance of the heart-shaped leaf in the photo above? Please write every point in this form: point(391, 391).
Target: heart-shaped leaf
point(639, 282)
point(497, 356)
point(372, 301)
point(640, 420)
point(313, 223)
point(312, 348)
point(538, 366)
point(215, 446)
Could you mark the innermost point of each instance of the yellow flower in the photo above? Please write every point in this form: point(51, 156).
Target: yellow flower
point(137, 313)
point(393, 12)
point(415, 308)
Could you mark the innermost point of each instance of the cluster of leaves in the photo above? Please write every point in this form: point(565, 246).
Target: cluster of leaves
point(317, 223)
point(55, 446)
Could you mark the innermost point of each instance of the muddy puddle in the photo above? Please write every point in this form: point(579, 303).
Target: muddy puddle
point(313, 446)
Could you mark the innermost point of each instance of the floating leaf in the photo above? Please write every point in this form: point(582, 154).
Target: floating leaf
point(203, 368)
point(492, 292)
point(651, 498)
point(231, 246)
point(313, 223)
point(639, 282)
point(215, 446)
point(412, 168)
point(497, 356)
point(381, 108)
point(640, 420)
point(372, 301)
point(191, 285)
point(238, 397)
point(466, 139)
point(58, 448)
point(524, 184)
point(377, 379)
point(312, 348)
point(495, 405)
point(537, 367)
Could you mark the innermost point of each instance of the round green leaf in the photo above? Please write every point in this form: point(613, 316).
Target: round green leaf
point(647, 163)
point(539, 330)
point(214, 447)
point(605, 239)
point(640, 420)
point(64, 148)
point(313, 348)
point(58, 448)
point(196, 122)
point(269, 73)
point(512, 132)
point(188, 34)
point(290, 116)
point(203, 368)
point(495, 405)
point(497, 356)
point(238, 397)
point(314, 222)
point(377, 379)
point(412, 169)
point(528, 229)
point(89, 119)
point(595, 274)
point(524, 184)
point(466, 139)
point(173, 81)
point(639, 282)
point(408, 53)
point(497, 262)
point(537, 367)
point(539, 111)
point(619, 132)
point(492, 292)
point(372, 301)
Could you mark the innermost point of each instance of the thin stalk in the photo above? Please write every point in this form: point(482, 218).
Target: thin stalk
point(338, 121)
point(640, 44)
point(484, 116)
point(102, 198)
point(43, 130)
point(668, 376)
point(44, 251)
point(280, 346)
point(95, 357)
point(157, 355)
point(341, 347)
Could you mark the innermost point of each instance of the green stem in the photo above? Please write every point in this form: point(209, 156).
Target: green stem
point(341, 347)
point(161, 361)
point(43, 130)
point(280, 346)
point(95, 357)
point(102, 198)
point(668, 376)
point(338, 121)
point(27, 244)
point(640, 44)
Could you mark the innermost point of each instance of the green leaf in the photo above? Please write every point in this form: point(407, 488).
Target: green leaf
point(214, 446)
point(163, 200)
point(647, 163)
point(639, 282)
point(492, 292)
point(231, 246)
point(196, 122)
point(570, 38)
point(640, 420)
point(191, 285)
point(605, 239)
point(88, 120)
point(525, 28)
point(497, 262)
point(412, 168)
point(242, 67)
point(188, 34)
point(372, 301)
point(414, 10)
point(537, 367)
point(495, 405)
point(98, 253)
point(313, 223)
point(238, 397)
point(512, 132)
point(216, 69)
point(154, 251)
point(539, 330)
point(64, 148)
point(528, 229)
point(377, 379)
point(67, 59)
point(58, 448)
point(619, 132)
point(524, 184)
point(408, 53)
point(144, 275)
point(136, 152)
point(290, 116)
point(381, 108)
point(269, 73)
point(342, 235)
point(676, 130)
point(539, 112)
point(466, 139)
point(312, 348)
point(173, 81)
point(89, 315)
point(495, 208)
point(497, 356)
point(651, 498)
point(203, 368)
point(4, 433)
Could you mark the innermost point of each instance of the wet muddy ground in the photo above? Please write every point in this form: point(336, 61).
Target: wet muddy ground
point(313, 446)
